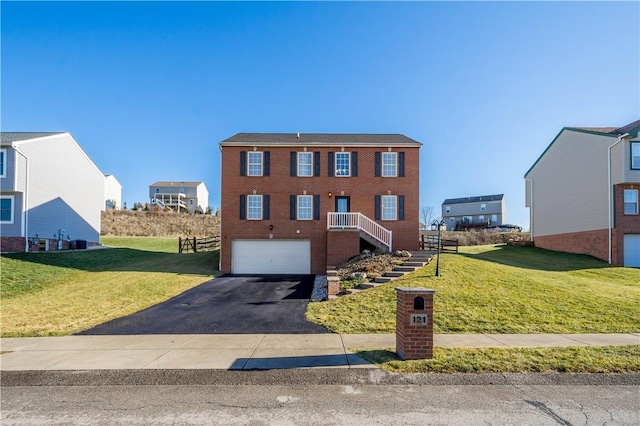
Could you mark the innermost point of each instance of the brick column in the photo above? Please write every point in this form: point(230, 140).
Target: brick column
point(414, 323)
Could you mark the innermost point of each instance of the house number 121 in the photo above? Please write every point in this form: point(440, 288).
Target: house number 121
point(419, 319)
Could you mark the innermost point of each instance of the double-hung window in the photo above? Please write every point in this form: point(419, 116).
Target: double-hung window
point(305, 207)
point(254, 161)
point(343, 164)
point(389, 164)
point(305, 164)
point(635, 155)
point(483, 207)
point(6, 209)
point(630, 201)
point(254, 207)
point(389, 207)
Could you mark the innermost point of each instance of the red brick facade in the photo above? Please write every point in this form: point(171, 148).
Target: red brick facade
point(596, 243)
point(280, 185)
point(16, 244)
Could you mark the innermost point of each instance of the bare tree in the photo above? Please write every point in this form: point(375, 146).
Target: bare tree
point(427, 215)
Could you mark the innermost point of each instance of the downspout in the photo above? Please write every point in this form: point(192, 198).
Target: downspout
point(25, 204)
point(530, 207)
point(610, 201)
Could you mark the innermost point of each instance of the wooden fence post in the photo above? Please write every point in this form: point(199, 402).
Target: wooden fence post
point(179, 245)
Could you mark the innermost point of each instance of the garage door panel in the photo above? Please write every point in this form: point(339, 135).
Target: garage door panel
point(632, 250)
point(271, 257)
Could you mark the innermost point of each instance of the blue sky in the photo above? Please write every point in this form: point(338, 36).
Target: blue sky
point(149, 89)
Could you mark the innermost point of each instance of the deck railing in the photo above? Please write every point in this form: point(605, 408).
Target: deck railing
point(362, 223)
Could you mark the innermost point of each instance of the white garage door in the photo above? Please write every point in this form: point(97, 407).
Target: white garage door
point(271, 257)
point(632, 250)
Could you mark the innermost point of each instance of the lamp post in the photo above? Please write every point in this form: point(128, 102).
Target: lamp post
point(438, 224)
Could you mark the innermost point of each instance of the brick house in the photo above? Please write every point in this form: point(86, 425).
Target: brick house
point(297, 203)
point(582, 194)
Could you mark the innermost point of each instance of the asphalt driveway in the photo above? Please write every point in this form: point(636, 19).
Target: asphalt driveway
point(270, 304)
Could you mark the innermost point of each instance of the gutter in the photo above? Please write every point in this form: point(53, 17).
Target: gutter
point(610, 226)
point(530, 207)
point(25, 204)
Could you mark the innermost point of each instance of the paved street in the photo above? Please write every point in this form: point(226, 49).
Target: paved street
point(315, 404)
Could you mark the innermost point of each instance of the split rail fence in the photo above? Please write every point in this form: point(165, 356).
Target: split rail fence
point(195, 245)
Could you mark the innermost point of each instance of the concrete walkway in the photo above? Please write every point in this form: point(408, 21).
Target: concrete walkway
point(247, 351)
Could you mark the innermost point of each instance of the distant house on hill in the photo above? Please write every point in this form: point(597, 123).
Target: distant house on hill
point(485, 211)
point(180, 196)
point(51, 192)
point(582, 193)
point(112, 193)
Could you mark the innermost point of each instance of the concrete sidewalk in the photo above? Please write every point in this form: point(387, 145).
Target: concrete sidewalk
point(247, 351)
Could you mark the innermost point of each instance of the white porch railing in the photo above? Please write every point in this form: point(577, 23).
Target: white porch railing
point(171, 200)
point(360, 222)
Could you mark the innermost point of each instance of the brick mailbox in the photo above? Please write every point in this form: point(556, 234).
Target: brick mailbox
point(414, 323)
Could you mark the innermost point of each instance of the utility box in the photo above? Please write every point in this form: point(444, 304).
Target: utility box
point(414, 323)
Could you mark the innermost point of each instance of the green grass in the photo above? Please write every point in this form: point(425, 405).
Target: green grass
point(602, 359)
point(60, 293)
point(502, 289)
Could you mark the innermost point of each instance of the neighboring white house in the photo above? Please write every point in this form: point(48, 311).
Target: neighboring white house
point(112, 193)
point(474, 212)
point(180, 196)
point(583, 194)
point(51, 192)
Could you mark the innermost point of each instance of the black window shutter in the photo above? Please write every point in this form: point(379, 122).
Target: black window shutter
point(316, 163)
point(330, 162)
point(292, 207)
point(265, 207)
point(354, 163)
point(401, 164)
point(316, 207)
point(378, 161)
point(400, 207)
point(267, 163)
point(243, 163)
point(243, 207)
point(293, 163)
point(377, 207)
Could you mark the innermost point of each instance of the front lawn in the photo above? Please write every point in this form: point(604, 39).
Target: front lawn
point(61, 293)
point(501, 289)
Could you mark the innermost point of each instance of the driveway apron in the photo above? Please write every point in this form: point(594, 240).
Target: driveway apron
point(270, 304)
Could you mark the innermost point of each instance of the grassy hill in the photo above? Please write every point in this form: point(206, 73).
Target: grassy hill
point(158, 224)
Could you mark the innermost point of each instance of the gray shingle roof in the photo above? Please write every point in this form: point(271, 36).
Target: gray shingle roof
point(319, 139)
point(497, 197)
point(8, 137)
point(177, 183)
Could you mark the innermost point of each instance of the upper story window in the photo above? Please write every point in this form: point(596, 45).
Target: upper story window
point(3, 162)
point(389, 207)
point(389, 164)
point(635, 155)
point(343, 164)
point(254, 207)
point(6, 209)
point(157, 190)
point(305, 207)
point(630, 201)
point(483, 207)
point(447, 209)
point(305, 164)
point(254, 161)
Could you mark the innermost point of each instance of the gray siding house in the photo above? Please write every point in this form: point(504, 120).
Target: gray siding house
point(474, 212)
point(180, 196)
point(51, 193)
point(582, 193)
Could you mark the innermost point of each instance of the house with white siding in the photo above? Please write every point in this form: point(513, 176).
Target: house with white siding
point(583, 194)
point(112, 193)
point(51, 193)
point(180, 196)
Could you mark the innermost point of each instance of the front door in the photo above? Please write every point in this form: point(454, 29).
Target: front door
point(343, 204)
